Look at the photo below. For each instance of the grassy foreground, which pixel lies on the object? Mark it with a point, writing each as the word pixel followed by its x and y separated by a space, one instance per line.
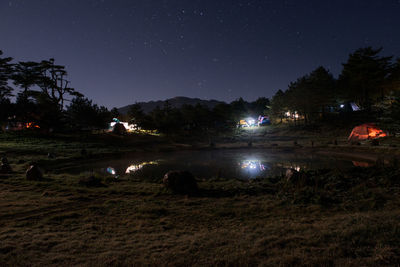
pixel 315 218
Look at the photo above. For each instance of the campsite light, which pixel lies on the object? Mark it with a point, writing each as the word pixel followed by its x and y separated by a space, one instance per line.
pixel 251 121
pixel 341 106
pixel 287 114
pixel 29 125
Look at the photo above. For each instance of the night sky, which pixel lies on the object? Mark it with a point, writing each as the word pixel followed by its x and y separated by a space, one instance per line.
pixel 119 52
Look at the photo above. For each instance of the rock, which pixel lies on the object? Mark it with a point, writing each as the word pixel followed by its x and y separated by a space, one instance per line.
pixel 180 182
pixel 34 173
pixel 5 168
pixel 91 181
pixel 4 160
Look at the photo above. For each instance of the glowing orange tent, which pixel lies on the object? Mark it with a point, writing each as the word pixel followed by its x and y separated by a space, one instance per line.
pixel 366 131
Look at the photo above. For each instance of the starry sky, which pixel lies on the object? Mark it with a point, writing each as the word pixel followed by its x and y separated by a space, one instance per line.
pixel 118 52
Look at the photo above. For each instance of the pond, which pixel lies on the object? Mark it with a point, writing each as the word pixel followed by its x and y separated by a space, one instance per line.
pixel 232 163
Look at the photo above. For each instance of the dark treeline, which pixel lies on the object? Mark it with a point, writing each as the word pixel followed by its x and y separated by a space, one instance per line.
pixel 369 80
pixel 40 92
pixel 42 95
pixel 197 119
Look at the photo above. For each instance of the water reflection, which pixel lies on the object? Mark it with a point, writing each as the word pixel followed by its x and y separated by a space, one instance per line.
pixel 240 164
pixel 111 171
pixel 253 168
pixel 135 167
pixel 361 164
pixel 252 164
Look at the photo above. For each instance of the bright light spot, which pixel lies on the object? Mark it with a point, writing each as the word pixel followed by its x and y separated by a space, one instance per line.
pixel 111 170
pixel 129 127
pixel 252 165
pixel 341 106
pixel 135 167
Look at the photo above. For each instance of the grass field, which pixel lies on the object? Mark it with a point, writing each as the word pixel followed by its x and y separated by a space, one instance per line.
pixel 314 218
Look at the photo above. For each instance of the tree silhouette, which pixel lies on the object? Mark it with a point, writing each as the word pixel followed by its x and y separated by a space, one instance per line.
pixel 54 84
pixel 6 72
pixel 363 76
pixel 279 105
pixel 26 75
pixel 5 90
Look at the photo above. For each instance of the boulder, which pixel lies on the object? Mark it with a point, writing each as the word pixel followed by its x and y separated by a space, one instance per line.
pixel 91 181
pixel 4 160
pixel 5 168
pixel 34 173
pixel 180 182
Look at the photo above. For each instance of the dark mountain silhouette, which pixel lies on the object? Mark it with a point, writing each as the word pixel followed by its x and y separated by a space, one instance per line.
pixel 175 102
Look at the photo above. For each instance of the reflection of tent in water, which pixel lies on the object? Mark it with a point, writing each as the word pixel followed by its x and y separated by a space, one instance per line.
pixel 366 131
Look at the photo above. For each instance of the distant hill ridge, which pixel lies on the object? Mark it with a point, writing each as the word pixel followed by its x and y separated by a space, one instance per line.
pixel 175 102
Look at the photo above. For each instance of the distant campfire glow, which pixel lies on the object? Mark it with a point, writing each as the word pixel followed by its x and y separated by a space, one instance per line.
pixel 31 125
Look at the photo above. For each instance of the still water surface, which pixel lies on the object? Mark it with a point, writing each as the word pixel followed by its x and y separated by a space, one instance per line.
pixel 243 164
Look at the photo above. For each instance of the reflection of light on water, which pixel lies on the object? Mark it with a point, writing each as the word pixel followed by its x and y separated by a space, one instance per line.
pixel 361 164
pixel 252 165
pixel 289 166
pixel 135 167
pixel 111 170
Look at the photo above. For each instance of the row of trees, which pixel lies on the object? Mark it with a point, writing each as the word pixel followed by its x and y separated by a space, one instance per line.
pixel 42 96
pixel 40 92
pixel 366 79
pixel 197 119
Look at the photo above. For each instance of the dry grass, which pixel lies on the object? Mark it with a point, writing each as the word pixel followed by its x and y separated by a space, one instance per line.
pixel 58 222
pixel 136 222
